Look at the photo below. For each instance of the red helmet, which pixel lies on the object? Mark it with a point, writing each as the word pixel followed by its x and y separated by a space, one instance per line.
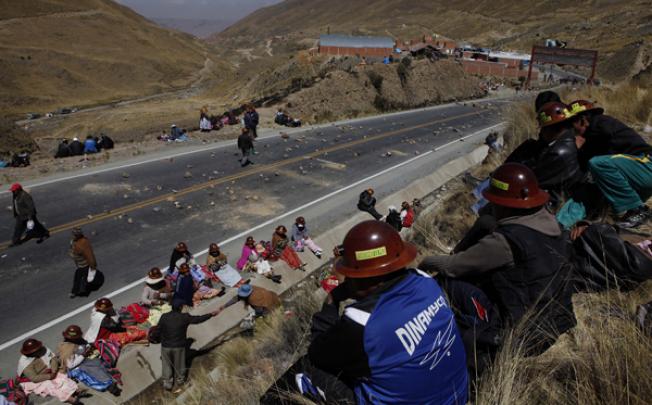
pixel 31 346
pixel 15 187
pixel 581 106
pixel 553 113
pixel 514 185
pixel 373 248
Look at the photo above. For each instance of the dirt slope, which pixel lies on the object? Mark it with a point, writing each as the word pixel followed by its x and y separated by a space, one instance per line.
pixel 606 25
pixel 60 53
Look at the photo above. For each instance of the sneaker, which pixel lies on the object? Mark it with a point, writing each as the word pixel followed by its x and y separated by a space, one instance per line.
pixel 318 254
pixel 634 218
pixel 71 295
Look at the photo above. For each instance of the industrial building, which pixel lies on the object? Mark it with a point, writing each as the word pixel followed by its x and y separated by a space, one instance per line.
pixel 340 45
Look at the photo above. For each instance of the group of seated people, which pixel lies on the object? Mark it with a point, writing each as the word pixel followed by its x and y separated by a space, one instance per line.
pixel 209 122
pixel 92 144
pixel 176 134
pixel 282 118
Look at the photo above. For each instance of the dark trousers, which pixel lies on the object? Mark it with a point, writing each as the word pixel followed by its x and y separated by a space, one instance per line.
pixel 174 365
pixel 244 161
pixel 372 211
pixel 80 283
pixel 39 231
pixel 253 132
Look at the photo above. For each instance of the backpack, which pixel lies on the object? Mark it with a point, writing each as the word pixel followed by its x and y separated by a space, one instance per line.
pixel 11 390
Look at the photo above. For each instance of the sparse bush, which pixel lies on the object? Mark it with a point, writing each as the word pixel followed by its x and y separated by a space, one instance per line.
pixel 376 80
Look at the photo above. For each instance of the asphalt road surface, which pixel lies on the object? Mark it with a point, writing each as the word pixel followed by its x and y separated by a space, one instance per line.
pixel 135 215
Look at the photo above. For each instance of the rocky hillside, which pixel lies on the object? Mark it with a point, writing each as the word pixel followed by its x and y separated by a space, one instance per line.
pixel 606 25
pixel 60 53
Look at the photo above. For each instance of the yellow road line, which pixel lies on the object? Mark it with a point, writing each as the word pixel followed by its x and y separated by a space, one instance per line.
pixel 255 170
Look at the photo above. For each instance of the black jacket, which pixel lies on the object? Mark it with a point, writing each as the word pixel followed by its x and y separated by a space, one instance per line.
pixel 367 201
pixel 23 206
pixel 608 136
pixel 251 119
pixel 62 151
pixel 245 142
pixel 173 327
pixel 394 219
pixel 176 255
pixel 76 148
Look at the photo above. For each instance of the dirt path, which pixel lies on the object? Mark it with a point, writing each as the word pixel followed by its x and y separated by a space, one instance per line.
pixel 268 47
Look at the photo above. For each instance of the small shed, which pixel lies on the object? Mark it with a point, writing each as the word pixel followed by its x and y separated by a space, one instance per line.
pixel 361 46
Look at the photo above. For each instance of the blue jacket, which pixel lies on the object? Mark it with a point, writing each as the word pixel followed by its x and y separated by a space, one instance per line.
pixel 90 146
pixel 400 345
pixel 184 290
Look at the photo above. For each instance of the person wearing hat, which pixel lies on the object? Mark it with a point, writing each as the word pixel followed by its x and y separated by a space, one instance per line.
pixel 393 218
pixel 367 203
pixel 185 286
pixel 301 237
pixel 397 341
pixel 104 321
pixel 72 353
pixel 215 255
pixel 175 132
pixel 40 369
pixel 260 299
pixel 260 265
pixel 63 150
pixel 82 254
pixel 76 147
pixel 25 215
pixel 180 254
pixel 281 249
pixel 173 328
pixel 248 249
pixel 157 290
pixel 522 268
pixel 619 161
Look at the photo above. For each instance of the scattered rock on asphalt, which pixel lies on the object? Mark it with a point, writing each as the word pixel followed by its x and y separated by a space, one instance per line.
pixel 125 196
pixel 285 135
pixel 156 209
pixel 187 175
pixel 125 175
pixel 159 188
pixel 130 221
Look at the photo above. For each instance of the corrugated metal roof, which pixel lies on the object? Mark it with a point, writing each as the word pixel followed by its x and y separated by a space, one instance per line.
pixel 348 41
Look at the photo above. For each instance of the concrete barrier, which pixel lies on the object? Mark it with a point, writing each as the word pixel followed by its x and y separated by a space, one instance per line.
pixel 141 365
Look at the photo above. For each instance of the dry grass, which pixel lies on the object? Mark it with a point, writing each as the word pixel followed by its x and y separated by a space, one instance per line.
pixel 248 366
pixel 627 102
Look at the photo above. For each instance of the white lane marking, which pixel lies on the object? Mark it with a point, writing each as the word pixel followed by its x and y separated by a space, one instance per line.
pixel 232 142
pixel 119 291
pixel 438 148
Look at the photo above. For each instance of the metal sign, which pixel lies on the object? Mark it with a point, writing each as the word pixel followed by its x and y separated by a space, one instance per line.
pixel 563 56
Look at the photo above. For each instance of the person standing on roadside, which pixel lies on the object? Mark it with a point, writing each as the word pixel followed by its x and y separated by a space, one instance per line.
pixel 25 214
pixel 251 119
pixel 173 328
pixel 82 254
pixel 246 146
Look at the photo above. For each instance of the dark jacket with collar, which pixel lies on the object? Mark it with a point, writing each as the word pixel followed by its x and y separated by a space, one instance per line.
pixel 23 206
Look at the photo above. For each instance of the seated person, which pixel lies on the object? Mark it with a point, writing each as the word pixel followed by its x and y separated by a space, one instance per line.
pixel 521 271
pixel 157 289
pixel 394 218
pixel 281 118
pixel 41 371
pixel 367 203
pixel 257 263
pixel 229 276
pixel 248 248
pixel 180 255
pixel 301 237
pixel 215 255
pixel 618 159
pixel 105 142
pixel 407 215
pixel 106 325
pixel 72 354
pixel 282 250
pixel 63 150
pixel 261 300
pixel 76 147
pixel 90 145
pixel 185 286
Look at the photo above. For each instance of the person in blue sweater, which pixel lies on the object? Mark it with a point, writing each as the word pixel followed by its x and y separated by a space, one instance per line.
pixel 185 287
pixel 90 145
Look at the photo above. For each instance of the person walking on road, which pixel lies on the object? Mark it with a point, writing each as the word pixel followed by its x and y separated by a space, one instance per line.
pixel 82 254
pixel 251 123
pixel 367 203
pixel 173 328
pixel 246 146
pixel 25 214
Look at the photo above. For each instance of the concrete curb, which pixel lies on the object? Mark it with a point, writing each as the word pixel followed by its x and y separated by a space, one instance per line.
pixel 141 365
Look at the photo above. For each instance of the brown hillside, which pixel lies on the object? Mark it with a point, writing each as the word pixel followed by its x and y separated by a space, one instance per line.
pixel 60 53
pixel 606 25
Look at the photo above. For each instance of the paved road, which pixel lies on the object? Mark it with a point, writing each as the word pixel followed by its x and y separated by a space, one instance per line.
pixel 131 217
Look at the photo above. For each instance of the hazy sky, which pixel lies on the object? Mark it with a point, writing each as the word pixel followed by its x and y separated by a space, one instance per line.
pixel 197 9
